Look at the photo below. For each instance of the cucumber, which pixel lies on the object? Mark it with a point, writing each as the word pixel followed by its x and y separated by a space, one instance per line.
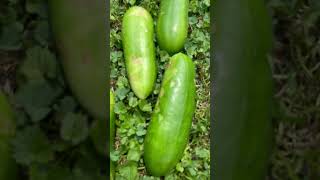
pixel 242 98
pixel 112 120
pixel 8 166
pixel 168 132
pixel 98 134
pixel 79 28
pixel 172 25
pixel 139 50
pixel 112 133
pixel 112 171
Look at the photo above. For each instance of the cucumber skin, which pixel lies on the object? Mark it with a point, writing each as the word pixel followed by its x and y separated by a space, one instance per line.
pixel 112 120
pixel 243 95
pixel 79 30
pixel 98 134
pixel 112 133
pixel 99 130
pixel 168 132
pixel 112 171
pixel 172 25
pixel 139 50
pixel 9 169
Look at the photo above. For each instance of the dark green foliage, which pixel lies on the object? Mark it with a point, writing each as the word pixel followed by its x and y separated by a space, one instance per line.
pixel 52 139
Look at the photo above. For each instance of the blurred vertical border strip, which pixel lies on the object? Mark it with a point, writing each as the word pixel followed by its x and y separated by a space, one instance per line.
pixel 106 3
pixel 212 84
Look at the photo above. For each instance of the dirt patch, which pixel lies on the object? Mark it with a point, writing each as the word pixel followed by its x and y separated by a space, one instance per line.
pixel 8 67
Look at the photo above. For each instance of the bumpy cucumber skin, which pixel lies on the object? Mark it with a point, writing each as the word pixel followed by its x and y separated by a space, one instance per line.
pixel 112 133
pixel 168 132
pixel 79 30
pixel 139 50
pixel 242 131
pixel 172 25
pixel 8 166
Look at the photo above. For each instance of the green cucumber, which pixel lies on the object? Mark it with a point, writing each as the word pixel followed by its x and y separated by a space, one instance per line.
pixel 168 132
pixel 99 130
pixel 79 28
pixel 98 134
pixel 172 25
pixel 139 50
pixel 8 166
pixel 112 133
pixel 112 171
pixel 242 131
pixel 112 120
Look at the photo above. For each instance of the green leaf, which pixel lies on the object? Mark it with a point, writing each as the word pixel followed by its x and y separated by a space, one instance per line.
pixel 170 177
pixel 179 167
pixel 202 153
pixel 37 94
pixel 32 146
pixel 207 3
pixel 88 164
pixel 122 82
pixel 133 101
pixel 10 37
pixel 114 156
pixel 133 155
pixel 131 2
pixel 38 7
pixel 141 131
pixel 37 113
pixel 36 98
pixel 67 104
pixel 38 173
pixel 60 145
pixel 145 106
pixel 21 118
pixel 121 93
pixel 82 175
pixel 120 108
pixel 193 20
pixel 129 171
pixel 45 172
pixel 192 171
pixel 74 128
pixel 8 15
pixel 42 33
pixel 39 64
pixel 116 55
